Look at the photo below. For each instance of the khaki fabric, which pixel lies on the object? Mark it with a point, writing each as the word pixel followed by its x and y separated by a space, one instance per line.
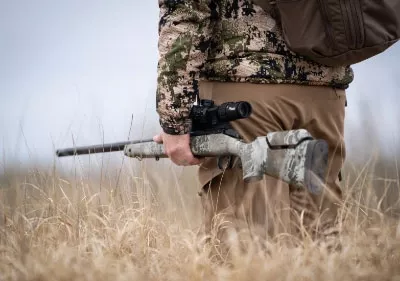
pixel 270 207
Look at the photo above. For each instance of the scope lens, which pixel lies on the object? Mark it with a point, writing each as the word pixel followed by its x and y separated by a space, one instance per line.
pixel 244 109
pixel 231 111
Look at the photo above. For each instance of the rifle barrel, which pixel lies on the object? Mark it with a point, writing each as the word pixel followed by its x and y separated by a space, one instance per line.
pixel 100 148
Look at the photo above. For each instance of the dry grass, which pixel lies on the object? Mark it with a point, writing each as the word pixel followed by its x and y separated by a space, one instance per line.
pixel 144 228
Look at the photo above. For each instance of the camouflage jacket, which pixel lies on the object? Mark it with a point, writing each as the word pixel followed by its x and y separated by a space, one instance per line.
pixel 224 40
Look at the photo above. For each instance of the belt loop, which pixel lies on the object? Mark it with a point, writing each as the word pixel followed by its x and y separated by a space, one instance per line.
pixel 206 90
pixel 339 93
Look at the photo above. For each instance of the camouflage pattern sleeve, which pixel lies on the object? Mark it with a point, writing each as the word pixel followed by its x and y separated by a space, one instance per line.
pixel 184 34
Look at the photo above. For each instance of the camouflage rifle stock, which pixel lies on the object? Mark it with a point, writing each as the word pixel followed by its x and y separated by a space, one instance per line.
pixel 293 156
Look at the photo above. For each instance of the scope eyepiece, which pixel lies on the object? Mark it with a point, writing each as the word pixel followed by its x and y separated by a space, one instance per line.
pixel 231 111
pixel 207 114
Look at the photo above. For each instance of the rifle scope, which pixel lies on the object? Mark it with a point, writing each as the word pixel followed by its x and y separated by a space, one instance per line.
pixel 207 112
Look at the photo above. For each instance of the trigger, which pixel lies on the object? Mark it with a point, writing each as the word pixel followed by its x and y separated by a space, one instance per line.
pixel 220 162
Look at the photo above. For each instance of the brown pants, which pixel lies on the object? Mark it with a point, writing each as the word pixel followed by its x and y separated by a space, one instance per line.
pixel 270 207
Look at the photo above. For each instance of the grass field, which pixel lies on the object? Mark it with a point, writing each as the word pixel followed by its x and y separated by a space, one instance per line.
pixel 143 226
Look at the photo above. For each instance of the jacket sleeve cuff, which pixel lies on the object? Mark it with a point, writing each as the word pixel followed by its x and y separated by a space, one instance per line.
pixel 179 128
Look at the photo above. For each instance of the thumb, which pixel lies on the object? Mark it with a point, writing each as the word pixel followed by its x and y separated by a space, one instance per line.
pixel 158 138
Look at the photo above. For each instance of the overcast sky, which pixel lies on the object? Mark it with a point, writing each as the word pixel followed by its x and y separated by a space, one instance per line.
pixel 82 69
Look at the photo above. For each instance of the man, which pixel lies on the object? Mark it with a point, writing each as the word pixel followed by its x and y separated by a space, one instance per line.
pixel 232 50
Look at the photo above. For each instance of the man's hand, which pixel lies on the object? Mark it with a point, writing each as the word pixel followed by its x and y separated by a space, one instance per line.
pixel 177 148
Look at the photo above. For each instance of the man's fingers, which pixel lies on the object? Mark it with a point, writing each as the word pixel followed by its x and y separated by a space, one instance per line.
pixel 177 148
pixel 183 157
pixel 194 161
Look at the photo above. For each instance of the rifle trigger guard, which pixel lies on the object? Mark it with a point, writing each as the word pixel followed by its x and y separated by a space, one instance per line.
pixel 229 165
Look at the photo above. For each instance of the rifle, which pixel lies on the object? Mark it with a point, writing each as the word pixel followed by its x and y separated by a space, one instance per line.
pixel 293 156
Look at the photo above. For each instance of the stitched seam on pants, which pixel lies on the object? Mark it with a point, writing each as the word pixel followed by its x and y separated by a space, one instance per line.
pixel 339 93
